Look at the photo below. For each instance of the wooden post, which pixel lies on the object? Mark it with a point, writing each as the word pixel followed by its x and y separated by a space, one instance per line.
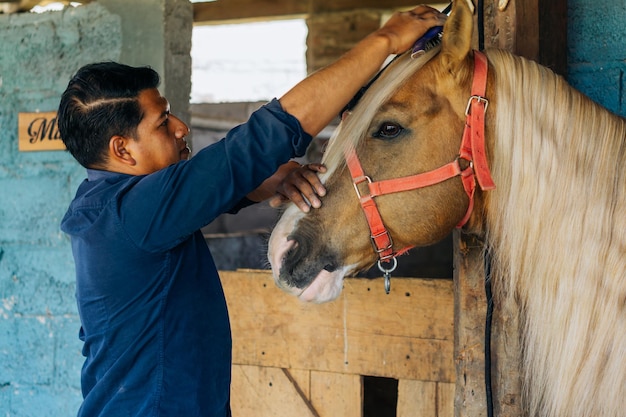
pixel 470 306
pixel 533 29
pixel 470 317
pixel 536 30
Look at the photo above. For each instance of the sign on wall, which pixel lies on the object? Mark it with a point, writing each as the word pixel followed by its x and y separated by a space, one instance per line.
pixel 38 132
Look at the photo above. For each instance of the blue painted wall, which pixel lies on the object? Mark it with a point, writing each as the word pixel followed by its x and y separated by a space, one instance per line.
pixel 597 51
pixel 40 357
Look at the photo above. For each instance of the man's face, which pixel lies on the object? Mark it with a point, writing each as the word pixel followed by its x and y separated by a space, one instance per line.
pixel 160 138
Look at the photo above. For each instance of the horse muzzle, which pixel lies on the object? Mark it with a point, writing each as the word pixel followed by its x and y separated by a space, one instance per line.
pixel 312 272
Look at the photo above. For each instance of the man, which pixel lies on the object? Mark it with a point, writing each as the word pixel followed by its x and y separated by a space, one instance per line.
pixel 154 319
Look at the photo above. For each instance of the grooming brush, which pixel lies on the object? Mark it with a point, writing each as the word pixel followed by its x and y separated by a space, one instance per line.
pixel 431 39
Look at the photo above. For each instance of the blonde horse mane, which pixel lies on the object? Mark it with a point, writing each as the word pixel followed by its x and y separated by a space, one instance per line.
pixel 555 224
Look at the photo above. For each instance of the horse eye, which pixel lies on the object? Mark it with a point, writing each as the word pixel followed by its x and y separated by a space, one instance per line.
pixel 388 130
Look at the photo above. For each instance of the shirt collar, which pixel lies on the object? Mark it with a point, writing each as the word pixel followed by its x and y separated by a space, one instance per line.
pixel 98 174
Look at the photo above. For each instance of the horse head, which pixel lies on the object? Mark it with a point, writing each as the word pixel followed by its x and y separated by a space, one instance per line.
pixel 411 121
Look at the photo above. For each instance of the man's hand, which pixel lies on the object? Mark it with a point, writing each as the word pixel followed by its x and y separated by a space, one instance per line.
pixel 302 186
pixel 295 182
pixel 402 27
pixel 316 100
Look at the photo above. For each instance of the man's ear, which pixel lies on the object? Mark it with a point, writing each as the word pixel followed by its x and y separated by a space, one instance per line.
pixel 119 150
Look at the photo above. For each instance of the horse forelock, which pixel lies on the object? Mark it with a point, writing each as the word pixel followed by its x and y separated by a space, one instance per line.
pixel 556 226
pixel 353 130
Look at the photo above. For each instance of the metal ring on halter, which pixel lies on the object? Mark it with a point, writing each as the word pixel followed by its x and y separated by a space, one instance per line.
pixel 387 273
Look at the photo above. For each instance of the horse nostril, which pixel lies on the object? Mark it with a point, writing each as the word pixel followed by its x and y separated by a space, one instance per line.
pixel 293 243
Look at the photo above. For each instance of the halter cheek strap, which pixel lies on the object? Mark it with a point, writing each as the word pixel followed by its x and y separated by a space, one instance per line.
pixel 472 150
pixel 473 142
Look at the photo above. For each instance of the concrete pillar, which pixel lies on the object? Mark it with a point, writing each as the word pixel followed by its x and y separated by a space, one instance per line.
pixel 158 33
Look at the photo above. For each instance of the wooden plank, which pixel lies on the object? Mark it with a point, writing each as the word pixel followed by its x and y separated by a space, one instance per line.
pixel 553 35
pixel 533 29
pixel 425 399
pixel 469 317
pixel 541 32
pixel 416 399
pixel 302 378
pixel 260 391
pixel 506 359
pixel 406 334
pixel 337 394
pixel 219 12
pixel 325 6
pixel 224 11
pixel 445 400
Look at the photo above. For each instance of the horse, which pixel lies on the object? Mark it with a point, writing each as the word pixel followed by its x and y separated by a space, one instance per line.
pixel 544 187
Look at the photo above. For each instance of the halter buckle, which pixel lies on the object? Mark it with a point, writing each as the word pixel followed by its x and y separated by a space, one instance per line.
pixel 380 250
pixel 359 180
pixel 479 99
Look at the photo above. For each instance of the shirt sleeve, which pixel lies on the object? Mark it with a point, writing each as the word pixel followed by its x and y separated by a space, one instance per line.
pixel 242 204
pixel 162 209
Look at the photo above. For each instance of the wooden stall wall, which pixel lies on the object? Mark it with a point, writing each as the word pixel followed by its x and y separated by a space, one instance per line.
pixel 297 359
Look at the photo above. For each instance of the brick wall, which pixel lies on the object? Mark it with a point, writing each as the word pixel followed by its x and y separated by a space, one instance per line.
pixel 40 353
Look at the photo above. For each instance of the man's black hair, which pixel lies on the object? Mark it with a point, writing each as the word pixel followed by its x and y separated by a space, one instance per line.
pixel 101 101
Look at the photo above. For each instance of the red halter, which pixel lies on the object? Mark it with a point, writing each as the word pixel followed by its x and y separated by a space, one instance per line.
pixel 472 150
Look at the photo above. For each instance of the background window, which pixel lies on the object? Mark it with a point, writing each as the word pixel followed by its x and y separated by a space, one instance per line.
pixel 247 62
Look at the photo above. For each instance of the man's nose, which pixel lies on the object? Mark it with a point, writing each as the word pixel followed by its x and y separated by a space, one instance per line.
pixel 181 129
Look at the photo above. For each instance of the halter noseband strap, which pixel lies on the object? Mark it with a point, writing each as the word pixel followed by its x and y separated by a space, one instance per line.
pixel 472 150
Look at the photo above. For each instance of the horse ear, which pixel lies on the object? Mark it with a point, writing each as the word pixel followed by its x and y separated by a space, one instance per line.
pixel 457 35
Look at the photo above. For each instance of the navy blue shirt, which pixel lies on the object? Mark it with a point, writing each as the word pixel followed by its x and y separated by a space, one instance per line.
pixel 154 320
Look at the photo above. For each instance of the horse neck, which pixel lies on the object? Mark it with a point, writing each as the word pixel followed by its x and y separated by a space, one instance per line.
pixel 555 224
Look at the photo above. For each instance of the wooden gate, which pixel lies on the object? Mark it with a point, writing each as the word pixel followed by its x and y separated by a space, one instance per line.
pixel 307 360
